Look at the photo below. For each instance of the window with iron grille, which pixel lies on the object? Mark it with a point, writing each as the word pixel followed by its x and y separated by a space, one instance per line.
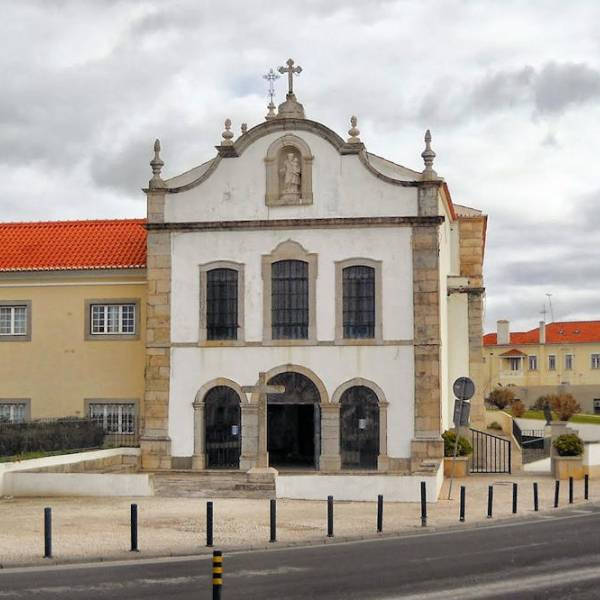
pixel 117 319
pixel 289 300
pixel 222 304
pixel 358 290
pixel 13 320
pixel 114 417
pixel 12 412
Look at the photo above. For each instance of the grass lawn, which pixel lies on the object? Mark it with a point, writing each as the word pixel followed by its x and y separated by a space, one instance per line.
pixel 39 454
pixel 581 418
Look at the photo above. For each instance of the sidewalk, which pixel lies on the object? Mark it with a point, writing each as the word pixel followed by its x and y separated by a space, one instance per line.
pixel 98 528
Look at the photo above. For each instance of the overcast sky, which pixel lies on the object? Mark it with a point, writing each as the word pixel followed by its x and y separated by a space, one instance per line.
pixel 510 90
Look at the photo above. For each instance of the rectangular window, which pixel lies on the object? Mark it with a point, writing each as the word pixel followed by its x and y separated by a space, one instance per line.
pixel 532 362
pixel 595 361
pixel 515 363
pixel 289 300
pixel 112 319
pixel 568 362
pixel 222 304
pixel 552 362
pixel 12 412
pixel 358 299
pixel 13 320
pixel 114 417
pixel 597 406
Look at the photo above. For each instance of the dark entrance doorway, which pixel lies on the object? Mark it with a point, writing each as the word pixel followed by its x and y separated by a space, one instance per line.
pixel 359 428
pixel 223 430
pixel 294 422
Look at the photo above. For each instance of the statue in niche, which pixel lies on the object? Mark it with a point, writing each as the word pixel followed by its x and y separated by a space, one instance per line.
pixel 291 175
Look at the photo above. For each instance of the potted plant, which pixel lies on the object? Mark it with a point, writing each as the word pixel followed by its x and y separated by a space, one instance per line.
pixel 568 457
pixel 463 450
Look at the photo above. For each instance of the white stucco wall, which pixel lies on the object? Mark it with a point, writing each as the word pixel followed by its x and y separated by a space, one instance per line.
pixel 342 187
pixel 458 335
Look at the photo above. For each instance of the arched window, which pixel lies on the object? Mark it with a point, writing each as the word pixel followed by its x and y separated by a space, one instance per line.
pixel 223 428
pixel 289 300
pixel 221 304
pixel 358 291
pixel 359 428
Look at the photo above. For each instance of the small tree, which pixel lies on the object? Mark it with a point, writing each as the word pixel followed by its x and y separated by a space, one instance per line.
pixel 517 409
pixel 501 397
pixel 565 406
pixel 542 401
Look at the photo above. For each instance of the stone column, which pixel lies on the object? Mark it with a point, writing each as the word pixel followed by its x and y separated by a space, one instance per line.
pixel 330 459
pixel 199 458
pixel 475 308
pixel 383 461
pixel 249 456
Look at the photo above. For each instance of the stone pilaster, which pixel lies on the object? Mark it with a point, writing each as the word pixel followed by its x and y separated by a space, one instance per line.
pixel 427 443
pixel 249 455
pixel 199 457
pixel 383 460
pixel 330 459
pixel 155 442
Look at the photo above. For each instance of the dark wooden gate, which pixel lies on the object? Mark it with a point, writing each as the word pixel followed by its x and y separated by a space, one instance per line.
pixel 359 428
pixel 491 453
pixel 223 428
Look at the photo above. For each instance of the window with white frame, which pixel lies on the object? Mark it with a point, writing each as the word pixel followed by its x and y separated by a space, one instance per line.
pixel 114 417
pixel 595 361
pixel 112 319
pixel 568 362
pixel 13 320
pixel 514 363
pixel 552 362
pixel 532 362
pixel 12 412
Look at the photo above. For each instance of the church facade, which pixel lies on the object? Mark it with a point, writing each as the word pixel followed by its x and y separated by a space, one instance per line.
pixel 308 306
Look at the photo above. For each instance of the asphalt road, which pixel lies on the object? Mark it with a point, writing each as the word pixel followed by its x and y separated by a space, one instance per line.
pixel 554 556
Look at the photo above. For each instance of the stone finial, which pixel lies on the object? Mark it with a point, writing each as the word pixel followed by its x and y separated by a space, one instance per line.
pixel 271 114
pixel 353 132
pixel 428 155
pixel 227 134
pixel 244 128
pixel 157 164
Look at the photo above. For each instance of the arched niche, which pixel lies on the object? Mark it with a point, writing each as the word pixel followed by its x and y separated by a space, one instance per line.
pixel 289 172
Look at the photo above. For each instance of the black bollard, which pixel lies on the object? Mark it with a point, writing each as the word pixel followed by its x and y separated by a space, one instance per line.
pixel 47 532
pixel 329 516
pixel 423 504
pixel 586 487
pixel 273 520
pixel 514 499
pixel 463 491
pixel 570 490
pixel 556 492
pixel 536 505
pixel 217 574
pixel 134 528
pixel 490 501
pixel 209 525
pixel 379 513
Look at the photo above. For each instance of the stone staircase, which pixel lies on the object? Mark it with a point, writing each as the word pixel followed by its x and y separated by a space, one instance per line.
pixel 211 484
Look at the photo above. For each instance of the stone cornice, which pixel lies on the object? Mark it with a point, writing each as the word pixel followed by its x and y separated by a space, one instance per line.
pixel 327 223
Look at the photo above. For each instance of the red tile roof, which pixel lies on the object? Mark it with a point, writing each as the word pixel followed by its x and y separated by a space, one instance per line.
pixel 570 332
pixel 512 352
pixel 69 245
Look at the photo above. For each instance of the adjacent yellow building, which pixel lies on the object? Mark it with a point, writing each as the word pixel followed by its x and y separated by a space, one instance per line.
pixel 72 321
pixel 554 357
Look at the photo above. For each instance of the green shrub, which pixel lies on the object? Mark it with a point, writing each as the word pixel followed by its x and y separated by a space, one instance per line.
pixel 568 444
pixel 49 436
pixel 495 425
pixel 464 446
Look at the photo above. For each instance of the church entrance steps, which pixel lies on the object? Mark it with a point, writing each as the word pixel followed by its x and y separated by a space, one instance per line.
pixel 211 484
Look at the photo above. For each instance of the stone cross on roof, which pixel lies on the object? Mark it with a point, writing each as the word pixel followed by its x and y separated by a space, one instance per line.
pixel 290 70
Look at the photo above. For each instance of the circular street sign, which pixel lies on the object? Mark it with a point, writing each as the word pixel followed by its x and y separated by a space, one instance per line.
pixel 464 388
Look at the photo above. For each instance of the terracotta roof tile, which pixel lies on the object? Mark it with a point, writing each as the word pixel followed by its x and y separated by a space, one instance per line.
pixel 567 332
pixel 69 245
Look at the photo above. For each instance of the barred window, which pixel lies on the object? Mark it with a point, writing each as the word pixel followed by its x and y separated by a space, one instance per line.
pixel 12 412
pixel 114 417
pixel 289 300
pixel 13 320
pixel 222 304
pixel 358 289
pixel 107 319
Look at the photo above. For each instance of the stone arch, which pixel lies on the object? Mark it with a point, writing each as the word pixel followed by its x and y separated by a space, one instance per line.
pixel 356 382
pixel 297 369
pixel 201 393
pixel 300 148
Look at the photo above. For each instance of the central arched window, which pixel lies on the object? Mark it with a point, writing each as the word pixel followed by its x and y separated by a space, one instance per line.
pixel 289 300
pixel 358 292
